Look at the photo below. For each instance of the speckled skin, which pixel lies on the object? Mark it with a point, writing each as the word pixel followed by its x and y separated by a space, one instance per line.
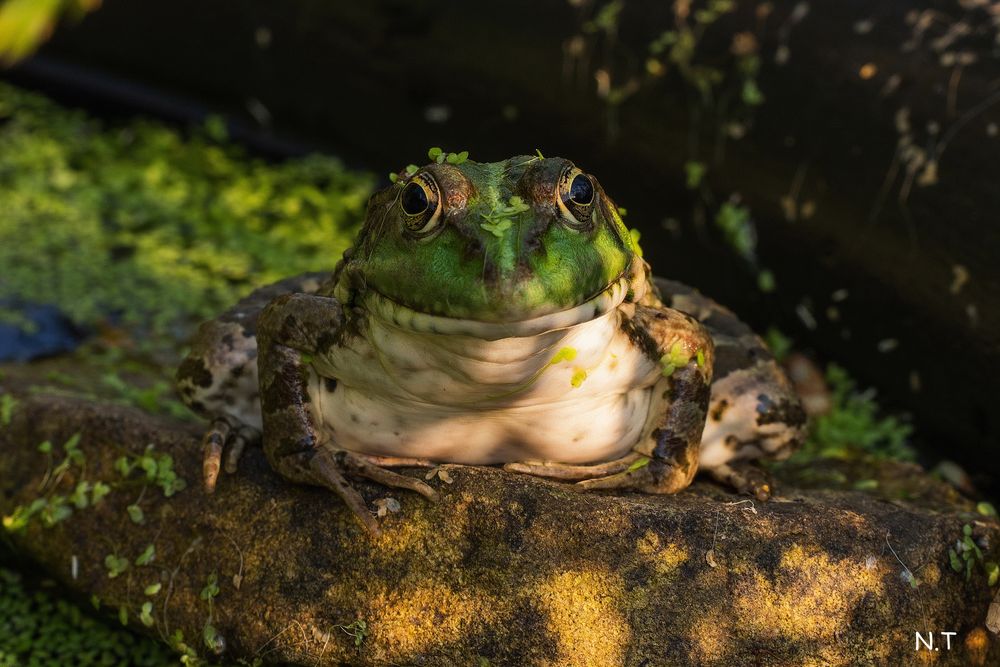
pixel 294 361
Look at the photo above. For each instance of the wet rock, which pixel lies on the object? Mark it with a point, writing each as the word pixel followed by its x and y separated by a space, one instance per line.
pixel 506 569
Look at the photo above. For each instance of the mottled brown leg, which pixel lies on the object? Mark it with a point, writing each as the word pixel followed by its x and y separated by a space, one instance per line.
pixel 744 477
pixel 668 456
pixel 288 328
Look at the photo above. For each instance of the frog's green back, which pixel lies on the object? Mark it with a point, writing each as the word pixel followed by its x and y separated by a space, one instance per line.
pixel 498 241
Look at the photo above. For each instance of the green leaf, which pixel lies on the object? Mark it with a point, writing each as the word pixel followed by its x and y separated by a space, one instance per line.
pixel 497 229
pixel 136 514
pixel 956 562
pixel 766 282
pixel 211 637
pixel 148 464
pixel 992 572
pixel 751 93
pixel 56 510
pixel 123 615
pixel 115 565
pixel 147 555
pixel 694 174
pixel 45 447
pixel 211 588
pixel 434 153
pixel 7 405
pixel 152 589
pixel 123 466
pixel 97 493
pixel 967 530
pixel 986 509
pixel 146 614
pixel 971 547
pixel 79 496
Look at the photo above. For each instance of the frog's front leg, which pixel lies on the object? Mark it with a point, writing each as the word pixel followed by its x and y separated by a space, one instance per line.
pixel 292 329
pixel 665 459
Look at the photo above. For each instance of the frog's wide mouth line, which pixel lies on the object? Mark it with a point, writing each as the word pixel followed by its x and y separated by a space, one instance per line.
pixel 409 319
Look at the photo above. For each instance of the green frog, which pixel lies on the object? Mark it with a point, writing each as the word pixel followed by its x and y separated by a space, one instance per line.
pixel 490 314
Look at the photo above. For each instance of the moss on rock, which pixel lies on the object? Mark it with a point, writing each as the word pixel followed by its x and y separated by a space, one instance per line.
pixel 506 569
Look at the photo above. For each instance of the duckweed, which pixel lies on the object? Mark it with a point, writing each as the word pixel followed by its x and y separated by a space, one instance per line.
pixel 38 628
pixel 146 227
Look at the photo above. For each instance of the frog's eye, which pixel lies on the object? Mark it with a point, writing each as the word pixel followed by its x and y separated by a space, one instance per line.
pixel 576 198
pixel 420 203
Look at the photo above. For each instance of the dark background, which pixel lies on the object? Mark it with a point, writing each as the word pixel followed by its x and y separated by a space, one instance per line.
pixel 882 264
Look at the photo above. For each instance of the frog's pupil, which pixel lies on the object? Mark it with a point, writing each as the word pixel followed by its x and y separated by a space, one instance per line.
pixel 414 199
pixel 581 190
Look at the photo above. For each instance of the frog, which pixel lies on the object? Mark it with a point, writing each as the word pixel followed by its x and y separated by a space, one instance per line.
pixel 490 314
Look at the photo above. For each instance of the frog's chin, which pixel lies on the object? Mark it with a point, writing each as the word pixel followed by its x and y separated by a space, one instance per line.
pixel 386 309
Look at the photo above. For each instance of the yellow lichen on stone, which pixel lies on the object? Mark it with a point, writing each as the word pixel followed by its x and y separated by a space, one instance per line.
pixel 585 617
pixel 977 643
pixel 413 621
pixel 929 574
pixel 665 558
pixel 809 595
pixel 711 637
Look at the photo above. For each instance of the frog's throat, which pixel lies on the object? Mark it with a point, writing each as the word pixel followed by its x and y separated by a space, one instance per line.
pixel 384 308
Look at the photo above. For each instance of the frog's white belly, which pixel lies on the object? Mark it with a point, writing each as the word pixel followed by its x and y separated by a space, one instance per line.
pixel 577 395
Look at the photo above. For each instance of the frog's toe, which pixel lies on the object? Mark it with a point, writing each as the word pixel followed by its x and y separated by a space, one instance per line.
pixel 221 439
pixel 330 468
pixel 360 466
pixel 744 477
pixel 568 472
pixel 643 479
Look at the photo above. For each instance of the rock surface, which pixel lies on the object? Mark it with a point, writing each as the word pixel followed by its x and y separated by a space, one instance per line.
pixel 505 570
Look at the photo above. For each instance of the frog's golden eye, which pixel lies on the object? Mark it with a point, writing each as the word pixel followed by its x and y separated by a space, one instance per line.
pixel 576 196
pixel 421 204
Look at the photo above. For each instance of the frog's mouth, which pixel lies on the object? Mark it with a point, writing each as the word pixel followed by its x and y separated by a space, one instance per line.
pixel 406 318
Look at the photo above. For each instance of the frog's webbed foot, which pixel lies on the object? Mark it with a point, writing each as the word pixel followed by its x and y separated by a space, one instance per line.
pixel 744 477
pixel 330 468
pixel 224 438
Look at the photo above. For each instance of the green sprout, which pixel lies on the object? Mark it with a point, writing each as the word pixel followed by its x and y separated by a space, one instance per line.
pixel 146 557
pixel 966 553
pixel 357 630
pixel 115 565
pixel 7 405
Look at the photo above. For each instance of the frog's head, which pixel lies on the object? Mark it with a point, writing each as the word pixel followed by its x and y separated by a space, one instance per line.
pixel 500 242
